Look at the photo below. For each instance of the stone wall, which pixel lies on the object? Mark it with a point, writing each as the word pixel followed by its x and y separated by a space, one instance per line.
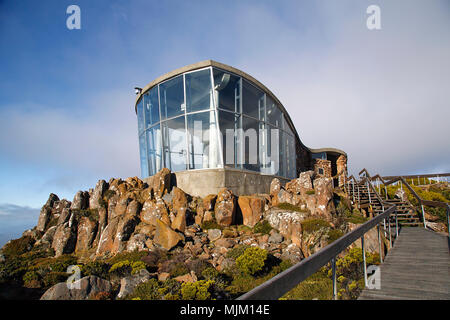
pixel 322 168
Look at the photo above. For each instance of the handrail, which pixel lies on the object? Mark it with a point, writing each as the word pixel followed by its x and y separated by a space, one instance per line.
pixel 282 283
pixel 426 175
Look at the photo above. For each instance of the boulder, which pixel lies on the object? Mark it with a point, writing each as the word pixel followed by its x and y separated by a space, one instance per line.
pixel 275 186
pixel 225 207
pixel 137 242
pixel 275 237
pixel 288 224
pixel 214 234
pixel 252 208
pixel 160 182
pixel 165 236
pixel 107 237
pixel 128 284
pixel 189 277
pixel 153 210
pixel 83 289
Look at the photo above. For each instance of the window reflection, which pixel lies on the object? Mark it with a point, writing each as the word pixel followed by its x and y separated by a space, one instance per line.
pixel 174 144
pixel 143 155
pixel 227 89
pixel 273 113
pixel 151 107
pixel 203 140
pixel 154 149
pixel 198 91
pixel 172 98
pixel 140 116
pixel 253 101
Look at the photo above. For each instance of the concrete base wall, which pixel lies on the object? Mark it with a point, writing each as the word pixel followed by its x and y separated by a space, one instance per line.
pixel 207 181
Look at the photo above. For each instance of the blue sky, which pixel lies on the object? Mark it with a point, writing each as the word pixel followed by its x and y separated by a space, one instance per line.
pixel 66 96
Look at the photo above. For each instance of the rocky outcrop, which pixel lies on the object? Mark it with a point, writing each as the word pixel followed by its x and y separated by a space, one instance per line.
pixel 83 289
pixel 128 284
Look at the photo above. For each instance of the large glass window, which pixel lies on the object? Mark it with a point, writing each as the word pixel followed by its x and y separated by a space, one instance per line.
pixel 250 143
pixel 290 157
pixel 151 107
pixel 171 95
pixel 143 155
pixel 154 149
pixel 198 91
pixel 140 116
pixel 227 89
pixel 174 144
pixel 253 101
pixel 229 124
pixel 274 115
pixel 203 140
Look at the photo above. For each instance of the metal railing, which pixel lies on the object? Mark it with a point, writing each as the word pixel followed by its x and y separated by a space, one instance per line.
pixel 285 281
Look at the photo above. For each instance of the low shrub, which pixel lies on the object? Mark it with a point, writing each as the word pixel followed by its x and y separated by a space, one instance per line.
pixel 263 227
pixel 290 207
pixel 198 290
pixel 237 251
pixel 252 260
pixel 314 224
pixel 18 246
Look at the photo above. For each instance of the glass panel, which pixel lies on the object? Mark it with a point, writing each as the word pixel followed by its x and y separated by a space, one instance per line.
pixel 143 155
pixel 151 107
pixel 198 91
pixel 172 98
pixel 270 156
pixel 253 101
pixel 154 149
pixel 282 159
pixel 174 141
pixel 273 113
pixel 227 91
pixel 203 142
pixel 140 116
pixel 250 143
pixel 290 157
pixel 229 124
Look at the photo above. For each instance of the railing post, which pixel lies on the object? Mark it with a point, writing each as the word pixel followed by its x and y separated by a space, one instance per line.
pixel 364 260
pixel 423 217
pixel 333 268
pixel 448 222
pixel 396 225
pixel 368 192
pixel 359 201
pixel 385 190
pixel 379 243
pixel 353 187
pixel 390 235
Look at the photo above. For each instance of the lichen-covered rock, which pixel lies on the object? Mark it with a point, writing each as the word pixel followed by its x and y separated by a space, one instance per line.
pixel 154 209
pixel 128 284
pixel 80 200
pixel 137 242
pixel 64 239
pixel 87 230
pixel 160 182
pixel 165 236
pixel 225 207
pixel 288 224
pixel 83 289
pixel 252 208
pixel 323 189
pixel 179 205
pixel 44 218
pixel 95 201
pixel 214 234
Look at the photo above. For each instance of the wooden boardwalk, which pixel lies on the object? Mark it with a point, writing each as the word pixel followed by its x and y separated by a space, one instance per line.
pixel 417 267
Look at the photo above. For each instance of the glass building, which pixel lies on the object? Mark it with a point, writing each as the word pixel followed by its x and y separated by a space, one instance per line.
pixel 210 115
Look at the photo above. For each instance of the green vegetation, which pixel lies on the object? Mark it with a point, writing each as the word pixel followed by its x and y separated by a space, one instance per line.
pixel 125 267
pixel 252 260
pixel 91 214
pixel 263 227
pixel 334 234
pixel 211 225
pixel 198 290
pixel 310 192
pixel 290 207
pixel 350 281
pixel 314 224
